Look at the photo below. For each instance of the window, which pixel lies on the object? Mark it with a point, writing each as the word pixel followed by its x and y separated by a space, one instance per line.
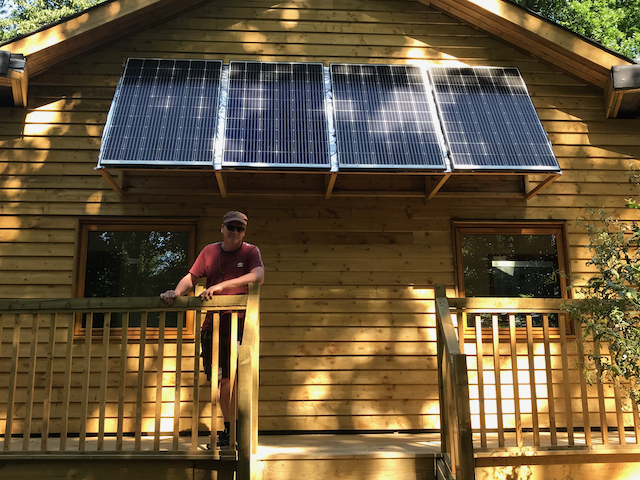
pixel 133 258
pixel 512 260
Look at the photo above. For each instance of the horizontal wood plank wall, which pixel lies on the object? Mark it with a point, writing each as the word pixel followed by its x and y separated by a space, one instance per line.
pixel 348 328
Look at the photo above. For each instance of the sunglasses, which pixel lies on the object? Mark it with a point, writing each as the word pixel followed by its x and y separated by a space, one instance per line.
pixel 233 228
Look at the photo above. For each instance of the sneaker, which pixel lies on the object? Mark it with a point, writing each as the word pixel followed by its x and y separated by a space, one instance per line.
pixel 223 439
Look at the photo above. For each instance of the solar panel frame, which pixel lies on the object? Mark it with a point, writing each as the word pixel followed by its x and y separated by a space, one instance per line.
pixel 276 116
pixel 164 114
pixel 496 127
pixel 385 119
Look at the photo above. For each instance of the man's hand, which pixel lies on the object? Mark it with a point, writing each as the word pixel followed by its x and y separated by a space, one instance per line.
pixel 168 296
pixel 210 292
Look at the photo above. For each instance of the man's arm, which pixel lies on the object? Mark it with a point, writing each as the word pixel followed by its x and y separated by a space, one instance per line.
pixel 256 275
pixel 184 286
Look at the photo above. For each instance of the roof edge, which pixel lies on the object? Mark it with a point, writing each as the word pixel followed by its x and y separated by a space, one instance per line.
pixel 44 47
pixel 538 36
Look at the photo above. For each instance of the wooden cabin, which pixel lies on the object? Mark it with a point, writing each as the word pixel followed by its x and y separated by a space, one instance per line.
pixel 363 372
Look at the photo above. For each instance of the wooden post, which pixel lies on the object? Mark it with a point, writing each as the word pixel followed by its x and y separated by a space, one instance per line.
pixel 246 457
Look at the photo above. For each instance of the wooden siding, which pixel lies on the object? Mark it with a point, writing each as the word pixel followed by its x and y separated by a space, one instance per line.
pixel 348 337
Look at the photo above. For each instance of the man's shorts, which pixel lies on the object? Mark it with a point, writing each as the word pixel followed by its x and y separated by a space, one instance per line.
pixel 224 352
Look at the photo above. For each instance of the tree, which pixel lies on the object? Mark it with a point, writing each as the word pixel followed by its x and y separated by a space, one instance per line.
pixel 609 311
pixel 613 23
pixel 24 16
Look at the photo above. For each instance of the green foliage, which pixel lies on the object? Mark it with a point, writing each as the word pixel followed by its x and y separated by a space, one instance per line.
pixel 24 16
pixel 610 311
pixel 613 23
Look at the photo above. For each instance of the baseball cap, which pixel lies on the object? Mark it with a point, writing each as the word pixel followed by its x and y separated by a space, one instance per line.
pixel 235 216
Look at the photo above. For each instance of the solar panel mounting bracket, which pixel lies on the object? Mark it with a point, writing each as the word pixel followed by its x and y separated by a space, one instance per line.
pixel 532 192
pixel 221 178
pixel 330 181
pixel 115 183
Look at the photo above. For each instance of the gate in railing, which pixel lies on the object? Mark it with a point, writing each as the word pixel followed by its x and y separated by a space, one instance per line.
pixel 131 381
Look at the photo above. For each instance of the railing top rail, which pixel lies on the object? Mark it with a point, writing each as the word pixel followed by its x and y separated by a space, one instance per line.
pixel 123 304
pixel 507 305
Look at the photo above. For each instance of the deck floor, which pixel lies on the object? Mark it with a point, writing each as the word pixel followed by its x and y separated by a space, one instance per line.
pixel 317 445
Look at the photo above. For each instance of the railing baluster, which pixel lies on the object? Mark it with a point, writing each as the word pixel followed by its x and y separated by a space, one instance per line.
pixel 46 406
pixel 67 382
pixel 84 407
pixel 13 375
pixel 140 392
pixel 122 379
pixel 550 394
pixel 619 416
pixel 583 383
pixel 195 412
pixel 159 376
pixel 233 365
pixel 178 383
pixel 604 424
pixel 496 369
pixel 28 413
pixel 532 382
pixel 213 391
pixel 636 421
pixel 480 371
pixel 106 332
pixel 514 372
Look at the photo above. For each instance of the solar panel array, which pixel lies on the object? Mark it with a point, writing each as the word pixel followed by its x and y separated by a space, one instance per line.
pixel 164 112
pixel 384 118
pixel 489 120
pixel 276 116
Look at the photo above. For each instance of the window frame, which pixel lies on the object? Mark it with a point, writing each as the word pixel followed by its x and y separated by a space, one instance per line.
pixel 129 224
pixel 492 227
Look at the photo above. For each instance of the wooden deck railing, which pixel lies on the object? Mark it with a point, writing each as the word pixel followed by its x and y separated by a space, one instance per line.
pixel 122 389
pixel 455 418
pixel 526 386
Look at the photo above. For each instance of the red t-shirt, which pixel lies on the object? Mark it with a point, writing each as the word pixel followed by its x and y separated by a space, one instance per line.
pixel 218 265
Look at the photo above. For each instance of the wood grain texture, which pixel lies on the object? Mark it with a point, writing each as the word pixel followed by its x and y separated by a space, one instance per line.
pixel 347 338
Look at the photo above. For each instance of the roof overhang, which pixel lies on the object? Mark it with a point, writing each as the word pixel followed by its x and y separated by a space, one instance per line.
pixel 13 74
pixel 96 26
pixel 538 36
pixel 623 92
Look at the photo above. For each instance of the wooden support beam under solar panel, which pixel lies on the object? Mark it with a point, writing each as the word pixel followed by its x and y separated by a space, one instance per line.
pixel 164 115
pixel 276 117
pixel 491 125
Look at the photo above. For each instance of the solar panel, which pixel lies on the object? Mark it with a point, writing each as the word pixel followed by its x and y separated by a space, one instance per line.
pixel 489 120
pixel 276 116
pixel 164 112
pixel 385 118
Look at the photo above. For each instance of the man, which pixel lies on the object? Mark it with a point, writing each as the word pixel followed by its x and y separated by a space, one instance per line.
pixel 229 266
